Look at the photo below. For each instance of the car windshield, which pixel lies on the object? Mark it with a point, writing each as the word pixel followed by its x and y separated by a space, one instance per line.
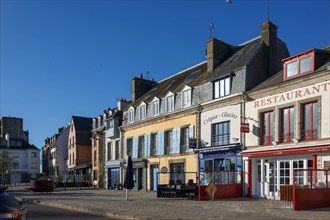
pixel 8 200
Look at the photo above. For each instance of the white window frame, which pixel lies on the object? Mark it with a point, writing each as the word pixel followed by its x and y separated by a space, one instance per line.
pixel 131 115
pixel 143 111
pixel 186 100
pixel 154 107
pixel 222 87
pixel 170 102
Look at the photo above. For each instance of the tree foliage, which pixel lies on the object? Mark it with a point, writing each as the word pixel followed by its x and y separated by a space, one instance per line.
pixel 5 161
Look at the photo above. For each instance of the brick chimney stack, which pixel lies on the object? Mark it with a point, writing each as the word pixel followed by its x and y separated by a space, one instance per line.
pixel 269 37
pixel 216 50
pixel 141 86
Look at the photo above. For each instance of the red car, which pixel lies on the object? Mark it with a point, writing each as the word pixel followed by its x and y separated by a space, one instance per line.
pixel 10 207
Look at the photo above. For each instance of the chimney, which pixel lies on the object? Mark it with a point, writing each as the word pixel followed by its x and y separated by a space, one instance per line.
pixel 269 37
pixel 121 104
pixel 216 50
pixel 8 140
pixel 140 86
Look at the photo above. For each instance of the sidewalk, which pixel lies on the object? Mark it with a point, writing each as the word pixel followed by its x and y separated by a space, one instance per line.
pixel 145 205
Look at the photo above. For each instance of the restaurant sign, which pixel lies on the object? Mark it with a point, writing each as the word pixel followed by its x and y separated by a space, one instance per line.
pixel 245 127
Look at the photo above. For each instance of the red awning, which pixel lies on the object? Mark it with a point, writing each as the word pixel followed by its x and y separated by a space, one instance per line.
pixel 301 150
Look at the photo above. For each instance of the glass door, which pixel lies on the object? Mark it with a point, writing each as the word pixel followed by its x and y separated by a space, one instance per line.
pixel 272 179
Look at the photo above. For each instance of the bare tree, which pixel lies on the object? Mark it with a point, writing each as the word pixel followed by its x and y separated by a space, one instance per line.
pixel 5 163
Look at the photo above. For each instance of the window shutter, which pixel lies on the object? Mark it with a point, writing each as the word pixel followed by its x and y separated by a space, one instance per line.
pixel 173 141
pixel 125 149
pixel 161 143
pixel 178 140
pixel 135 147
pixel 146 145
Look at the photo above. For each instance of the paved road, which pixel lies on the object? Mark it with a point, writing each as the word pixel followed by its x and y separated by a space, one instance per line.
pixel 36 212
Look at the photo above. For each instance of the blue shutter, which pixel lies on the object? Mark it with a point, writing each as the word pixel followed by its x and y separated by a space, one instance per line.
pixel 125 149
pixel 161 143
pixel 173 147
pixel 158 144
pixel 145 145
pixel 148 145
pixel 135 147
pixel 178 140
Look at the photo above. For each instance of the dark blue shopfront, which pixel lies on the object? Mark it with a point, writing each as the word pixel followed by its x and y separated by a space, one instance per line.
pixel 113 177
pixel 222 166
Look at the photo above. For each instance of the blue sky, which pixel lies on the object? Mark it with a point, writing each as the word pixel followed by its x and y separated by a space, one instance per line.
pixel 64 58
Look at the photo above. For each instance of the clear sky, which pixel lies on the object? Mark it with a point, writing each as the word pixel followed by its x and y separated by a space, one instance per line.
pixel 64 58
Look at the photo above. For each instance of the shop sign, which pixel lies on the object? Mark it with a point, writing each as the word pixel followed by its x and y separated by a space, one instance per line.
pixel 245 127
pixel 139 164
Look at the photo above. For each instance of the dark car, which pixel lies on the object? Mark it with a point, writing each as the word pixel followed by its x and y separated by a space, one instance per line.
pixel 10 207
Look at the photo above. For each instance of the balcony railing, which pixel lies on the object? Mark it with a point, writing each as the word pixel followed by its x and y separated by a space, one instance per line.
pixel 220 139
pixel 266 140
pixel 309 134
pixel 286 137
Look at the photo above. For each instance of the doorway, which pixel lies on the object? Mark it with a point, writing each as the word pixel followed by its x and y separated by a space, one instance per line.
pixel 272 179
pixel 154 177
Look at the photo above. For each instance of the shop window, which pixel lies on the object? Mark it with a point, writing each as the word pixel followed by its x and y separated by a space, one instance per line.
pixel 310 121
pixel 287 125
pixel 299 164
pixel 299 65
pixel 221 88
pixel 220 133
pixel 284 172
pixel 267 126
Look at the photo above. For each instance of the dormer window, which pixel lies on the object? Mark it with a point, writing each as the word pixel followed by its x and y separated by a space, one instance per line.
pixel 143 112
pixel 169 102
pixel 186 97
pixel 131 115
pixel 221 87
pixel 298 65
pixel 155 107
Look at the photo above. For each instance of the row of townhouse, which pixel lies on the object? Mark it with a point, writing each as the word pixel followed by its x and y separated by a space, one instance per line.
pixel 24 157
pixel 191 123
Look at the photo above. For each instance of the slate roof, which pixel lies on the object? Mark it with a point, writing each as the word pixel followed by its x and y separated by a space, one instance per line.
pixel 82 123
pixel 278 77
pixel 83 128
pixel 24 145
pixel 239 56
pixel 191 77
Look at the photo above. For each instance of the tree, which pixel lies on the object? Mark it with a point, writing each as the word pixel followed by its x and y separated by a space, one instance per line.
pixel 5 163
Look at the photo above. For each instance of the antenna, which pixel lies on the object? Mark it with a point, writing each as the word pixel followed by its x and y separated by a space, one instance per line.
pixel 268 14
pixel 148 75
pixel 211 29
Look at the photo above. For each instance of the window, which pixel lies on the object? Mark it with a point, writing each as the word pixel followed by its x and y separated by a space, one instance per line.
pixel 299 164
pixel 109 150
pixel 299 65
pixel 267 125
pixel 141 146
pixel 143 112
pixel 117 150
pixel 110 124
pixel 221 88
pixel 95 158
pixel 33 154
pixel 129 147
pixel 186 98
pixel 310 121
pixel 287 125
pixel 285 172
pixel 131 116
pixel 170 103
pixel 73 161
pixel 220 133
pixel 168 141
pixel 15 165
pixel 184 145
pixel 153 144
pixel 155 108
pixel 34 165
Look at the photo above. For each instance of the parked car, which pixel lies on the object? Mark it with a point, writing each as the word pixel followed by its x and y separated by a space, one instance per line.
pixel 10 207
